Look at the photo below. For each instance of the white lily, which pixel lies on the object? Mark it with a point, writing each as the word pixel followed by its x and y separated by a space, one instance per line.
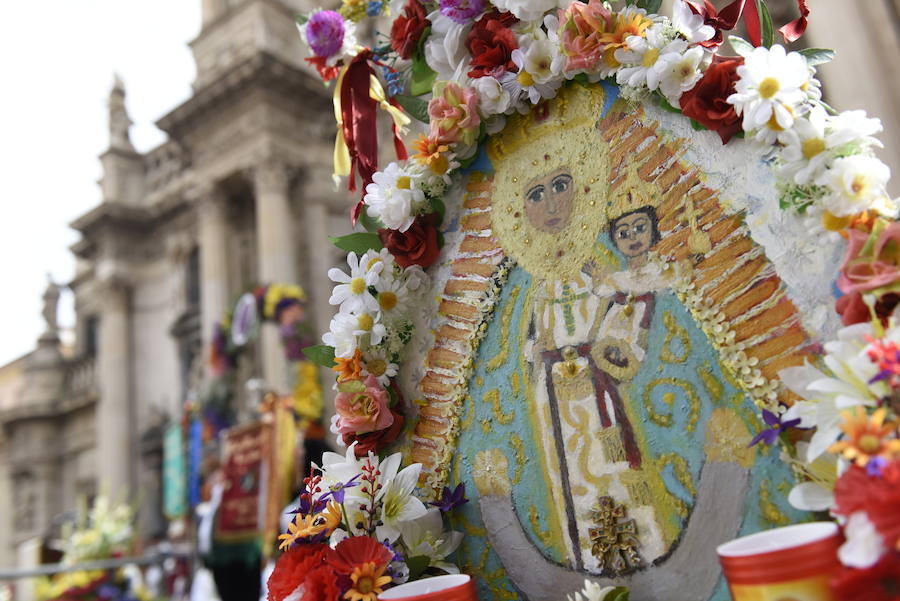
pixel 398 503
pixel 425 536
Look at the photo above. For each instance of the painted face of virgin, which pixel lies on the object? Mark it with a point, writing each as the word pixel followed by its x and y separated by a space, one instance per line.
pixel 633 234
pixel 548 201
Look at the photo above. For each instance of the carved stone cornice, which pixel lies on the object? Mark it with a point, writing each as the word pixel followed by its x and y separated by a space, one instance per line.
pixel 262 70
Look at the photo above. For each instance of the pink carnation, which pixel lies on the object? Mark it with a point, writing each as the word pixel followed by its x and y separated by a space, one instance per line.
pixel 581 33
pixel 362 407
pixel 454 115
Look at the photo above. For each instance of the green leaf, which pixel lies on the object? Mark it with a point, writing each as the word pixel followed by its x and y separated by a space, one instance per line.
pixel 416 107
pixel 421 76
pixel 765 20
pixel 417 566
pixel 697 125
pixel 651 6
pixel 740 45
pixel 354 386
pixel 357 243
pixel 370 223
pixel 817 56
pixel 393 396
pixel 320 355
pixel 620 593
pixel 301 19
pixel 438 206
pixel 664 103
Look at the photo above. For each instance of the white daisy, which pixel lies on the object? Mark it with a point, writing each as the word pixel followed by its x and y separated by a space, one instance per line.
pixel 342 335
pixel 493 99
pixel 369 324
pixel 392 297
pixel 854 127
pixel 394 197
pixel 856 184
pixel 805 155
pixel 523 87
pixel 644 59
pixel 376 363
pixel 372 258
pixel 770 87
pixel 682 74
pixel 352 292
pixel 690 26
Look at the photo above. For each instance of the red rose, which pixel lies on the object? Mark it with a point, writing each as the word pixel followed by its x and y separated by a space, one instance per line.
pixel 375 441
pixel 879 496
pixel 491 43
pixel 706 101
pixel 407 29
pixel 418 245
pixel 853 309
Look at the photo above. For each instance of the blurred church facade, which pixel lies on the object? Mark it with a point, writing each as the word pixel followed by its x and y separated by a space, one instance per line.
pixel 240 193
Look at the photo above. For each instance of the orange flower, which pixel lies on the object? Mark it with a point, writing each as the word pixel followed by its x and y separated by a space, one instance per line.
pixel 624 24
pixel 307 526
pixel 866 437
pixel 368 579
pixel 349 369
pixel 431 153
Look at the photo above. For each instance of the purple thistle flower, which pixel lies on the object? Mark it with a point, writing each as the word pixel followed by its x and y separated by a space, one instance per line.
pixel 451 499
pixel 462 11
pixel 338 491
pixel 325 33
pixel 770 435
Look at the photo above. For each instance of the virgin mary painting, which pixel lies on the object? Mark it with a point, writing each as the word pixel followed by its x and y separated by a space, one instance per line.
pixel 601 432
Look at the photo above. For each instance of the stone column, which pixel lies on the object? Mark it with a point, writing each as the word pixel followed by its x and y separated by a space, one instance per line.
pixel 276 254
pixel 213 236
pixel 115 423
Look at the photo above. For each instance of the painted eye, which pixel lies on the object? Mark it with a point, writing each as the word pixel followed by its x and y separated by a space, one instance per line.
pixel 561 183
pixel 536 194
pixel 623 233
pixel 640 228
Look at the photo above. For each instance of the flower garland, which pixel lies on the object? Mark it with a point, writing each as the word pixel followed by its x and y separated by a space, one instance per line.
pixel 480 61
pixel 283 304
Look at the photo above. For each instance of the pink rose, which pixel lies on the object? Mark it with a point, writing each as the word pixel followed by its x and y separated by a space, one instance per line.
pixel 872 261
pixel 582 29
pixel 454 114
pixel 362 406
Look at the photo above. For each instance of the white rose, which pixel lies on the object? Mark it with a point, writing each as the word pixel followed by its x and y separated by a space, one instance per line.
pixel 445 49
pixel 492 98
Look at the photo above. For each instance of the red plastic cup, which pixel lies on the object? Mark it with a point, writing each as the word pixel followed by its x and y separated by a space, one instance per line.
pixel 784 564
pixel 453 587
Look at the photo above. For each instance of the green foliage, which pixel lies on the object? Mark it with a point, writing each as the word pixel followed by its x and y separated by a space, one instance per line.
pixel 371 224
pixel 417 566
pixel 664 103
pixel 620 593
pixel 765 20
pixel 357 243
pixel 651 6
pixel 422 76
pixel 817 56
pixel 301 19
pixel 416 107
pixel 740 45
pixel 320 355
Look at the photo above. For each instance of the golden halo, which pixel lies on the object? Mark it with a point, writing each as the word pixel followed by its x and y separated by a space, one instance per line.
pixel 560 134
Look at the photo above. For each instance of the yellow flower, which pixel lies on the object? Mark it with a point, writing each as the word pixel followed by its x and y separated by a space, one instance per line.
pixel 367 582
pixel 866 437
pixel 307 526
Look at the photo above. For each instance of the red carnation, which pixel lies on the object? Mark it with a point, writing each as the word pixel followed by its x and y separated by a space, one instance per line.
pixel 407 29
pixel 706 101
pixel 881 582
pixel 356 551
pixel 877 495
pixel 294 567
pixel 491 42
pixel 418 245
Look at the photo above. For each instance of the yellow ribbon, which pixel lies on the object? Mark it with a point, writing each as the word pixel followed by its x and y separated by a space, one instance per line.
pixel 376 93
pixel 341 153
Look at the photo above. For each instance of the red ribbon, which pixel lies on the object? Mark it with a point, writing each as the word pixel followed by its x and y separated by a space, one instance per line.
pixel 729 16
pixel 358 112
pixel 793 30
